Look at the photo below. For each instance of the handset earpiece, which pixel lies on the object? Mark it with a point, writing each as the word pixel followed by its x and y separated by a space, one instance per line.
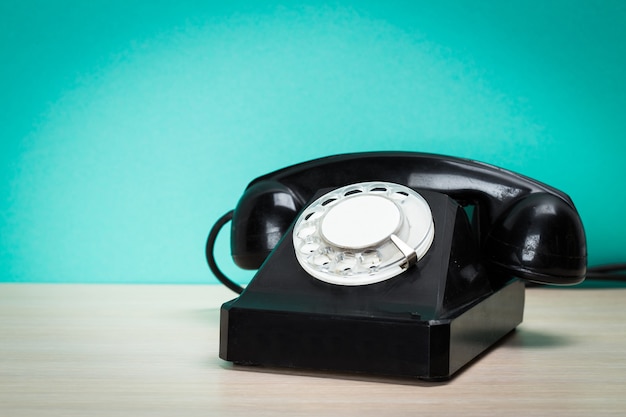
pixel 539 238
pixel 260 220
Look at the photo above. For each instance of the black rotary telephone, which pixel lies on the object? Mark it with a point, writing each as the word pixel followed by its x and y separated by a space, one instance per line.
pixel 395 263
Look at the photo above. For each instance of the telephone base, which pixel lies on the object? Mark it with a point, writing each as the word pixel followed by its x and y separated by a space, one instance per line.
pixel 404 346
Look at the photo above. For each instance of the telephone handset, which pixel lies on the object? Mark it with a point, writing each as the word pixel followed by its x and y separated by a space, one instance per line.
pixel 527 228
pixel 395 263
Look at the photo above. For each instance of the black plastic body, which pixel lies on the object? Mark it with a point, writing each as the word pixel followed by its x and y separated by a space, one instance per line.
pixel 524 228
pixel 427 322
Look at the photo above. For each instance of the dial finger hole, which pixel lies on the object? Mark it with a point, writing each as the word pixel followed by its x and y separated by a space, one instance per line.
pixel 352 192
pixel 321 259
pixel 399 195
pixel 309 247
pixel 306 232
pixel 346 262
pixel 370 259
pixel 312 216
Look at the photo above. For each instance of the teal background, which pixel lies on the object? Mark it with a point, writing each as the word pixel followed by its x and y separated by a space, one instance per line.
pixel 128 127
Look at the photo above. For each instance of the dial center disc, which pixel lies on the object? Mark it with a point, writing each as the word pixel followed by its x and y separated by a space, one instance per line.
pixel 360 221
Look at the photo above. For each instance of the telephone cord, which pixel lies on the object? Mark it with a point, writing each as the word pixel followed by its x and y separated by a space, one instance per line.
pixel 210 256
pixel 609 272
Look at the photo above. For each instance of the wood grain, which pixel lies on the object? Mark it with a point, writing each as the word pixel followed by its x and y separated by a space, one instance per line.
pixel 113 350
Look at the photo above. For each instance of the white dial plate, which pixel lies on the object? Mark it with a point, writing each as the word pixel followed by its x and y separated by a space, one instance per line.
pixel 363 233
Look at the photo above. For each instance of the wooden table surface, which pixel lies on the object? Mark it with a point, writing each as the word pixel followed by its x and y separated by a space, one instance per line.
pixel 133 350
